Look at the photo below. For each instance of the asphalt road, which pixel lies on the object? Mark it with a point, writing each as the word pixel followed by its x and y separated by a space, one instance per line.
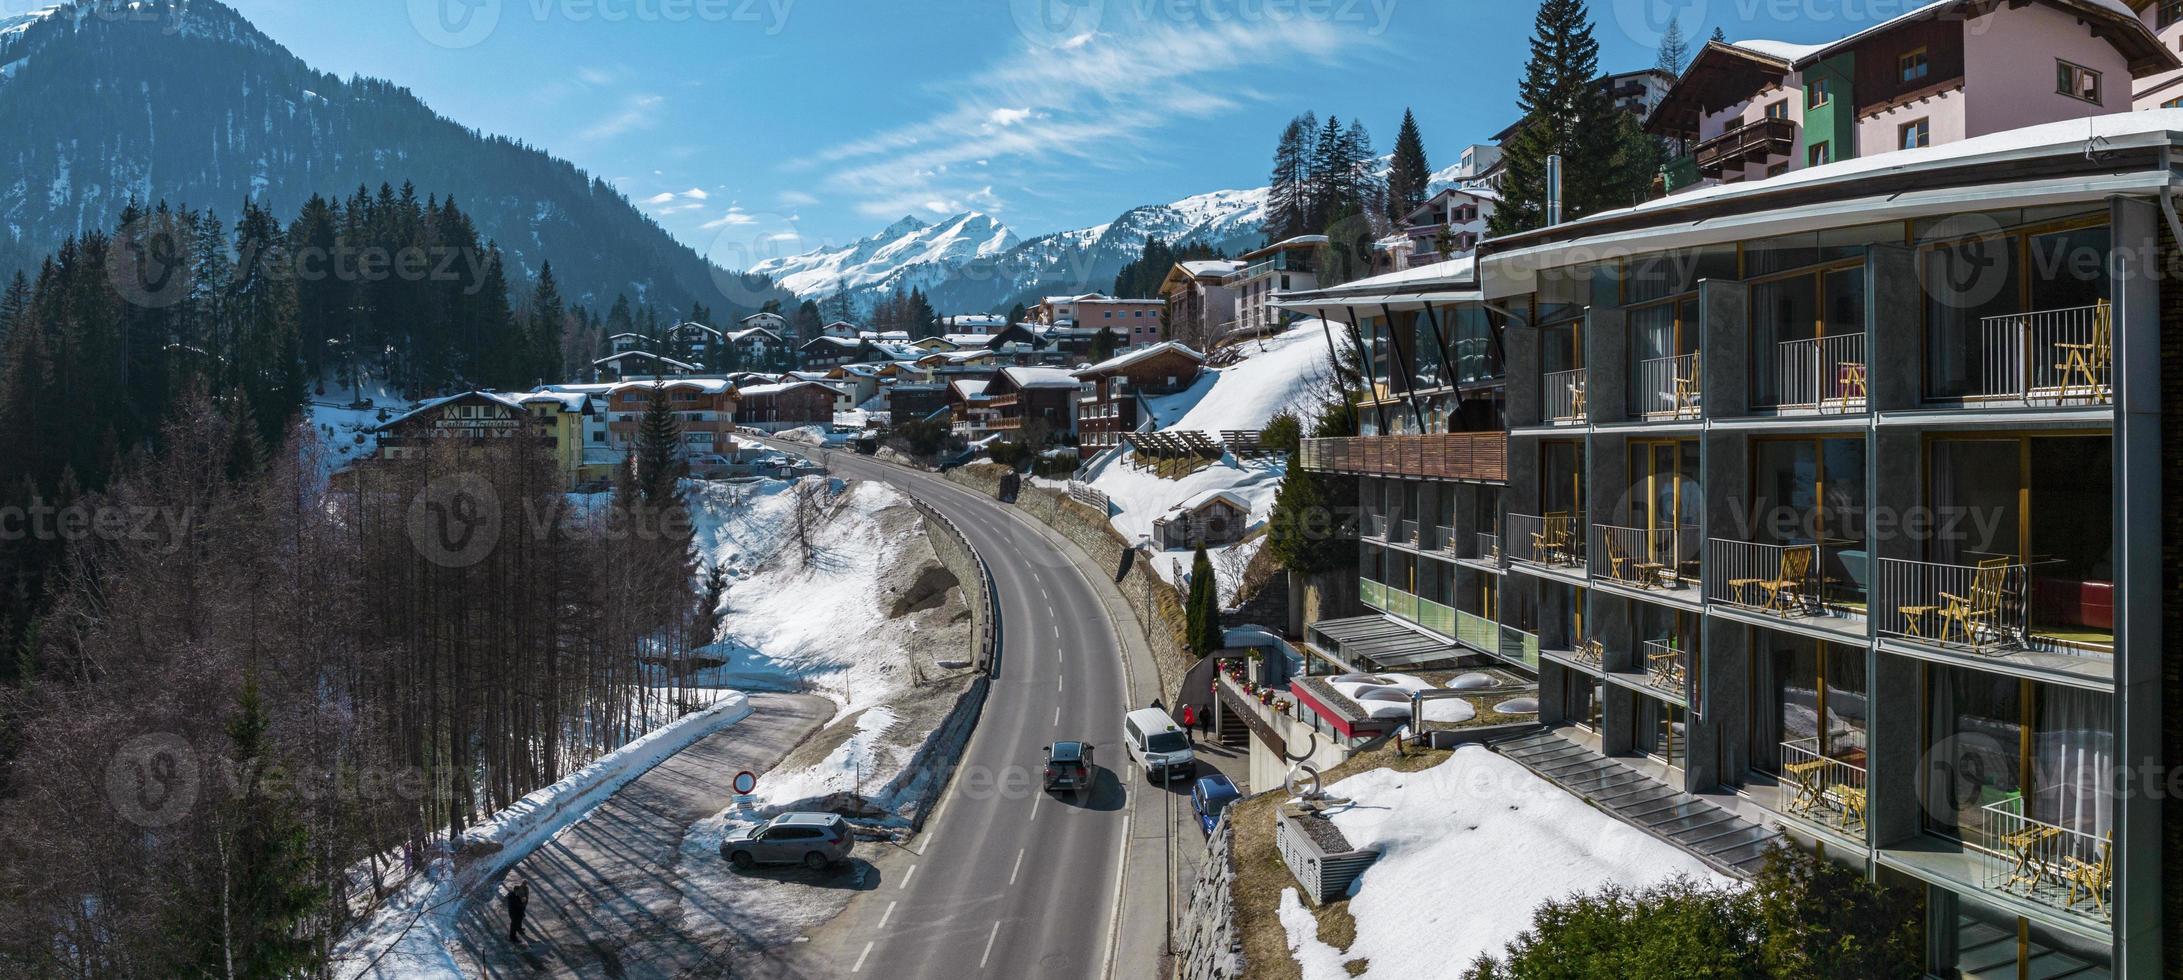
pixel 1007 880
pixel 605 899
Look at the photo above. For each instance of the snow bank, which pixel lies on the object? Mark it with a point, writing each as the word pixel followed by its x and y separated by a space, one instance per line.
pixel 346 433
pixel 1468 851
pixel 408 935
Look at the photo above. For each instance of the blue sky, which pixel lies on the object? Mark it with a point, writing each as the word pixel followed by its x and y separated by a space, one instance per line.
pixel 750 127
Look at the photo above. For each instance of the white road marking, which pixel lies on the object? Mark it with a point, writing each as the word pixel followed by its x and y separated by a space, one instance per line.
pixel 906 876
pixel 1058 682
pixel 884 916
pixel 859 967
pixel 995 934
pixel 1057 716
pixel 1018 867
pixel 1034 810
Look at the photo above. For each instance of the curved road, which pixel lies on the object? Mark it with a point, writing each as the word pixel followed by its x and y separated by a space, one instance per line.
pixel 1006 880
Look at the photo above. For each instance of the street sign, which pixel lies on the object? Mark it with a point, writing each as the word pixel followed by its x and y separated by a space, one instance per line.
pixel 746 783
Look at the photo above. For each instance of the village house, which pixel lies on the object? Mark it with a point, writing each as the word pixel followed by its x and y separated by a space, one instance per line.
pixel 1034 404
pixel 705 408
pixel 1109 405
pixel 768 321
pixel 468 422
pixel 973 323
pixel 639 365
pixel 1281 267
pixel 829 352
pixel 755 345
pixel 970 408
pixel 916 402
pixel 1449 225
pixel 1936 75
pixel 1207 520
pixel 1199 302
pixel 692 342
pixel 841 328
pixel 788 405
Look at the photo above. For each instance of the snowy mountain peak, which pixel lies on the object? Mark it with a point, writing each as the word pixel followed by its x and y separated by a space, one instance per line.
pixel 909 254
pixel 908 224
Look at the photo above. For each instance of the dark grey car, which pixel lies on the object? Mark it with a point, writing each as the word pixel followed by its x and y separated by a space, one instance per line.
pixel 815 840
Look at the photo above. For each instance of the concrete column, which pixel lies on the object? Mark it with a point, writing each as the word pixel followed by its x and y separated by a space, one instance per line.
pixel 1606 480
pixel 1553 707
pixel 1520 345
pixel 1724 320
pixel 1522 495
pixel 1719 747
pixel 1894 328
pixel 2139 636
pixel 1897 459
pixel 1607 365
pixel 1895 736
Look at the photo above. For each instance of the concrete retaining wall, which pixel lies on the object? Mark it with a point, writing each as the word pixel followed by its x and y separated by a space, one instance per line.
pixel 1209 947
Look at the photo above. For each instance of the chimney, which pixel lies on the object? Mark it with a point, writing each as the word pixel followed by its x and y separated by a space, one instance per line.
pixel 1553 189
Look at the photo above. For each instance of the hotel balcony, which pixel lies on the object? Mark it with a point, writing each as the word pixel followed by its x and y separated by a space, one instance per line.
pixel 1669 388
pixel 1816 585
pixel 1998 609
pixel 1817 374
pixel 1480 457
pixel 1821 789
pixel 1553 541
pixel 1564 396
pixel 1489 549
pixel 1667 669
pixel 1761 141
pixel 1665 560
pixel 2048 358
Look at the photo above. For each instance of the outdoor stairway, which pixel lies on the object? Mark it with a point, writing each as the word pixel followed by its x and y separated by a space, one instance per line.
pixel 1229 730
pixel 1729 843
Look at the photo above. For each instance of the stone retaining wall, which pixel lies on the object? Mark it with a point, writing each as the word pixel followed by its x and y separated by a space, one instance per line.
pixel 1210 946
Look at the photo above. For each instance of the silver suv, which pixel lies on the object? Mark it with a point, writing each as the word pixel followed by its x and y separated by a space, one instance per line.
pixel 815 840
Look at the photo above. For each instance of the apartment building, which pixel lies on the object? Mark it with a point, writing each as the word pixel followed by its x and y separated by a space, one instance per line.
pixel 1938 74
pixel 1200 304
pixel 1284 266
pixel 1108 405
pixel 704 407
pixel 1449 225
pixel 1832 503
pixel 1023 398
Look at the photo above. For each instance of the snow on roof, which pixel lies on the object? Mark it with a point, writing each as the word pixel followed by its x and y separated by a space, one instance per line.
pixel 837 341
pixel 710 386
pixel 1211 267
pixel 741 335
pixel 510 401
pixel 609 359
pixel 756 316
pixel 976 319
pixel 968 339
pixel 692 323
pixel 1125 360
pixel 1039 377
pixel 1199 500
pixel 970 387
pixel 775 389
pixel 1780 50
pixel 1455 274
pixel 571 401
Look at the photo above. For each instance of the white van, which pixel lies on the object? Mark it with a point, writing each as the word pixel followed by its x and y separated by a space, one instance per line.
pixel 1158 744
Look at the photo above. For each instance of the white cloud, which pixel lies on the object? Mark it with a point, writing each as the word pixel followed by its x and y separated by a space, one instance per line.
pixel 594 76
pixel 659 199
pixel 1101 101
pixel 636 112
pixel 696 194
pixel 798 199
pixel 734 217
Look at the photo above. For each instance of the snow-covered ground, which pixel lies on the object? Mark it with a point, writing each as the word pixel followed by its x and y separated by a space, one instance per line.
pixel 1286 372
pixel 1469 849
pixel 346 433
pixel 826 625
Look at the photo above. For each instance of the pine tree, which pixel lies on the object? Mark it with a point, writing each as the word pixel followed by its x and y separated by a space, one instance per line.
pixel 708 609
pixel 1202 612
pixel 808 323
pixel 1566 112
pixel 1104 344
pixel 1017 314
pixel 547 314
pixel 1410 177
pixel 1288 202
pixel 661 464
pixel 1674 50
pixel 1720 35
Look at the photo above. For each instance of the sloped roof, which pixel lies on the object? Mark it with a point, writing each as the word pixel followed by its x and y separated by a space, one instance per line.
pixel 1144 354
pixel 1039 377
pixel 511 401
pixel 644 354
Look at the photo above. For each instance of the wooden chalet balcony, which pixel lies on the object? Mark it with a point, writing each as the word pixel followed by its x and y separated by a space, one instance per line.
pixel 1471 456
pixel 1754 142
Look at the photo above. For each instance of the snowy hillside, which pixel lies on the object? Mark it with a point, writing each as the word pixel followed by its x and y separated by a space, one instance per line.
pixel 1284 373
pixel 907 254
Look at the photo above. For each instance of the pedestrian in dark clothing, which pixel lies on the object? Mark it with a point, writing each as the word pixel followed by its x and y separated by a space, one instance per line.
pixel 1205 721
pixel 518 898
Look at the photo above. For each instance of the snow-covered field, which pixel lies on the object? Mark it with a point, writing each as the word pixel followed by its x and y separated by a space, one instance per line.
pixel 346 432
pixel 1282 373
pixel 1469 849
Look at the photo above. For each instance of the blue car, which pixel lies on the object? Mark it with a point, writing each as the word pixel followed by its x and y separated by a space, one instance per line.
pixel 1209 796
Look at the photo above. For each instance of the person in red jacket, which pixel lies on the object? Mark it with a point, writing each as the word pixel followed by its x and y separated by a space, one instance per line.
pixel 1189 720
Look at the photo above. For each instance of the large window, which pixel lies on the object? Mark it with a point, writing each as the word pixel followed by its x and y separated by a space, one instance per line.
pixel 1789 312
pixel 1969 281
pixel 1811 490
pixel 2000 747
pixel 2077 81
pixel 1664 491
pixel 2045 502
pixel 1808 699
pixel 1658 333
pixel 1561 477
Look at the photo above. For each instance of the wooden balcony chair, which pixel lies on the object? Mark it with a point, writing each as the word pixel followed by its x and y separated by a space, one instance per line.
pixel 1789 582
pixel 1686 391
pixel 1850 383
pixel 2088 879
pixel 1550 543
pixel 1617 562
pixel 1974 613
pixel 1576 399
pixel 2088 362
pixel 1672 665
pixel 1594 653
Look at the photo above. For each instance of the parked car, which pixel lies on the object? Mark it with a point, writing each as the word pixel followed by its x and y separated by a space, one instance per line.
pixel 1069 765
pixel 1209 797
pixel 712 466
pixel 1159 744
pixel 815 840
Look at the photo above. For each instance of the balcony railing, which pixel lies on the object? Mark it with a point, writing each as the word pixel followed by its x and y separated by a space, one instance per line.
pixel 1375 527
pixel 1489 548
pixel 1821 373
pixel 1446 540
pixel 1782 580
pixel 1669 387
pixel 2054 356
pixel 1472 456
pixel 1828 790
pixel 1405 532
pixel 1982 607
pixel 1752 142
pixel 1520 646
pixel 1564 394
pixel 1667 668
pixel 1549 541
pixel 1477 631
pixel 1646 558
pixel 1590 653
pixel 2049 864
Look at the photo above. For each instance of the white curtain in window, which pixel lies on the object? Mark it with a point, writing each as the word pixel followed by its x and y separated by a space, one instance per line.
pixel 2074 760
